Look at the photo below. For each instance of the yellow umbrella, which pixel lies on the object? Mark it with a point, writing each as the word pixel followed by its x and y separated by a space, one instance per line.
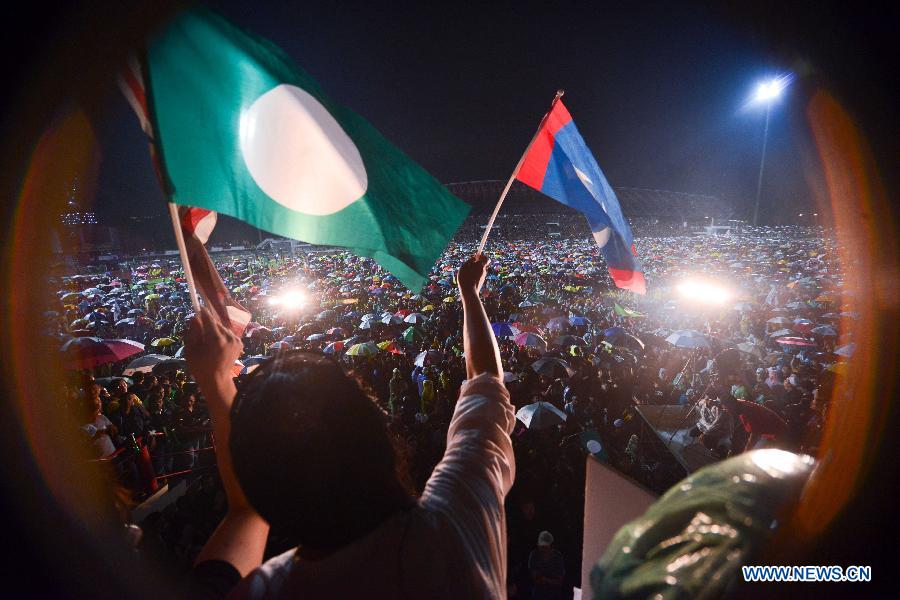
pixel 449 299
pixel 162 342
pixel 428 307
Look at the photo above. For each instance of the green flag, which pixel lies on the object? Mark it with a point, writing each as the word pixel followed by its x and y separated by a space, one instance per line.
pixel 626 312
pixel 592 444
pixel 242 131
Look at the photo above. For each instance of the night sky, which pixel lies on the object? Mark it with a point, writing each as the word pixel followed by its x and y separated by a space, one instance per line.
pixel 659 95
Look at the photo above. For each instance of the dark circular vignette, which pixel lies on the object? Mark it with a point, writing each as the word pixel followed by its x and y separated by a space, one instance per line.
pixel 71 51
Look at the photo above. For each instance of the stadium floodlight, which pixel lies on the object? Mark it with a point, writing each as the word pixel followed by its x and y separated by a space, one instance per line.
pixel 766 93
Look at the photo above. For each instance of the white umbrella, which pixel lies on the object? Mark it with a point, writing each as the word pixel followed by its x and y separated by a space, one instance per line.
pixel 846 351
pixel 824 330
pixel 780 321
pixel 688 338
pixel 144 364
pixel 540 415
pixel 781 333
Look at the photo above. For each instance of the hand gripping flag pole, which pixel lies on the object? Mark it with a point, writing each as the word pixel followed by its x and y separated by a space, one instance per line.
pixel 185 261
pixel 487 230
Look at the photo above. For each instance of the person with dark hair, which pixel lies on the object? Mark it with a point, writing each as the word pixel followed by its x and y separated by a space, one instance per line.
pixel 160 425
pixel 190 426
pixel 99 430
pixel 130 419
pixel 306 449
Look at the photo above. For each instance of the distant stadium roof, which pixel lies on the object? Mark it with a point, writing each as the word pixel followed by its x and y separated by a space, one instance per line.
pixel 636 202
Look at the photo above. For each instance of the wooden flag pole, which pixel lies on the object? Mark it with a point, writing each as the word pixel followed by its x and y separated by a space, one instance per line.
pixel 487 230
pixel 182 250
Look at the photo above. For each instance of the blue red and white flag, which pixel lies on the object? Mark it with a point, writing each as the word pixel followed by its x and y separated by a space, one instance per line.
pixel 560 165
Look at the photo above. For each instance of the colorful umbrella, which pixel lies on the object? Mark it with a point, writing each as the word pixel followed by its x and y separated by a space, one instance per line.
pixel 364 349
pixel 88 352
pixel 333 347
pixel 504 330
pixel 795 341
pixel 390 346
pixel 530 340
pixel 279 346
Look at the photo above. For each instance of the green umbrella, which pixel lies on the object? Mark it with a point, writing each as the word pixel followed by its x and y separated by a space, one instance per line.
pixel 412 335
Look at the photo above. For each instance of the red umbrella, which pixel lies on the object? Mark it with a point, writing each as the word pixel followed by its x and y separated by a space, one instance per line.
pixel 88 352
pixel 522 327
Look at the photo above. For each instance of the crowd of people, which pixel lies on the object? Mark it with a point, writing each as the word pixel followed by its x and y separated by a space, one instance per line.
pixel 754 359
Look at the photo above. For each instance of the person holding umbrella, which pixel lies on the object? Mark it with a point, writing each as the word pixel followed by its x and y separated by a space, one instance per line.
pixel 349 507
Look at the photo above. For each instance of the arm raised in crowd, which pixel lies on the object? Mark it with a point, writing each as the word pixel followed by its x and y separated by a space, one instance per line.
pixel 479 343
pixel 210 349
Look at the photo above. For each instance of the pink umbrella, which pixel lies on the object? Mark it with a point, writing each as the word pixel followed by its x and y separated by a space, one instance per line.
pixel 795 341
pixel 530 339
pixel 89 352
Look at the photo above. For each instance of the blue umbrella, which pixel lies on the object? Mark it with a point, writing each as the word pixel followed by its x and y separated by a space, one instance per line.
pixel 503 330
pixel 613 333
pixel 579 321
pixel 558 323
pixel 688 338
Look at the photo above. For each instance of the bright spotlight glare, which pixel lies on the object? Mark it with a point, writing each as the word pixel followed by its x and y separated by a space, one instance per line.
pixel 291 299
pixel 769 90
pixel 704 292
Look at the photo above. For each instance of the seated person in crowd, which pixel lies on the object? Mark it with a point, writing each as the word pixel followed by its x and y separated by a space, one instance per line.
pixel 306 449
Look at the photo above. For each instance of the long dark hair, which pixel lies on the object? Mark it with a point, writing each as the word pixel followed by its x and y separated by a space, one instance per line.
pixel 312 451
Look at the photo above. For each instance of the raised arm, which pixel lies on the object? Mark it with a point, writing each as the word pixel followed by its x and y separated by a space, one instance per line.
pixel 479 343
pixel 210 350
